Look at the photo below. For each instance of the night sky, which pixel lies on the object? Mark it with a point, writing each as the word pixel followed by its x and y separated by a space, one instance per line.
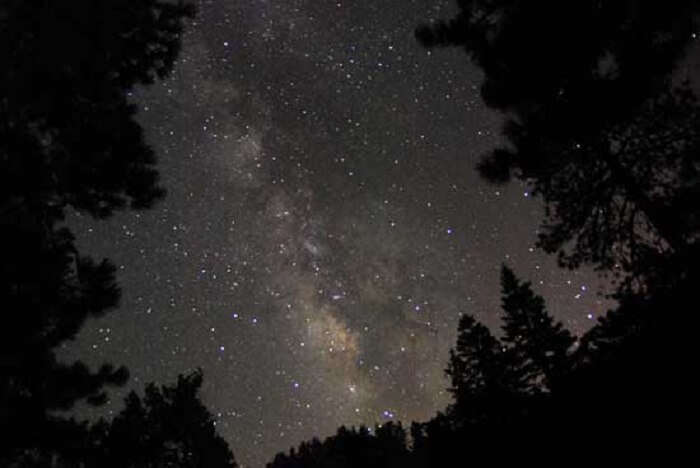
pixel 324 225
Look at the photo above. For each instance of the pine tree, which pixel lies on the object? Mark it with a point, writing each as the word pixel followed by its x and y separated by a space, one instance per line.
pixel 385 448
pixel 475 365
pixel 598 128
pixel 69 141
pixel 170 426
pixel 538 347
pixel 486 391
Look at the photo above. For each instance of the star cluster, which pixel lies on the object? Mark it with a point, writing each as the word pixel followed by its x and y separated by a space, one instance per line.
pixel 324 226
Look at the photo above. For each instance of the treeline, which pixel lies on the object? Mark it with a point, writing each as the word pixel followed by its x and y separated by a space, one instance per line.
pixel 539 395
pixel 599 125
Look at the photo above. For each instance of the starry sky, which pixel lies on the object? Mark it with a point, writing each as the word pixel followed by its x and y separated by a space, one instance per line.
pixel 324 226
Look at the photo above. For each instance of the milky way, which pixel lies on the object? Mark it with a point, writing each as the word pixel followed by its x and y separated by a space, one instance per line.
pixel 324 227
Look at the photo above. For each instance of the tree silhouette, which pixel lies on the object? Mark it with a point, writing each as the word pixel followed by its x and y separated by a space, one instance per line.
pixel 503 388
pixel 68 138
pixel 475 366
pixel 619 196
pixel 597 126
pixel 632 374
pixel 594 125
pixel 557 56
pixel 487 383
pixel 538 347
pixel 169 427
pixel 68 134
pixel 350 448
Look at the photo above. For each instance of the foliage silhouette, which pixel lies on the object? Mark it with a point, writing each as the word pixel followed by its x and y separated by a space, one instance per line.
pixel 497 381
pixel 553 55
pixel 622 381
pixel 68 138
pixel 68 132
pixel 537 346
pixel 534 393
pixel 594 124
pixel 504 393
pixel 350 448
pixel 482 382
pixel 597 128
pixel 169 427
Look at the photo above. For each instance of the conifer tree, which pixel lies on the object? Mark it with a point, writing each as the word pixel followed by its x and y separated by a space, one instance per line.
pixel 385 448
pixel 537 345
pixel 475 365
pixel 169 427
pixel 597 127
pixel 486 391
pixel 69 142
